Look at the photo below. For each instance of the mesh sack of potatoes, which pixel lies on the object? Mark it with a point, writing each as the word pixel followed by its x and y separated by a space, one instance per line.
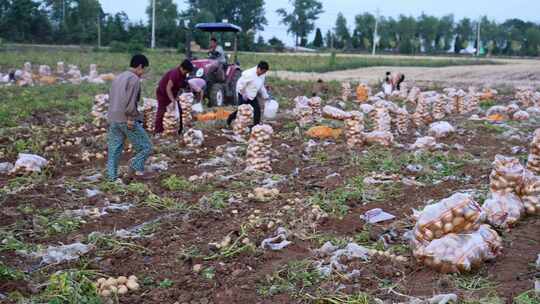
pixel 382 138
pixel 506 175
pixel 149 109
pixel 439 108
pixel 335 113
pixel 503 209
pixel 402 120
pixel 413 95
pixel 533 161
pixel 186 103
pixel 354 126
pixel 316 109
pixel 487 94
pixel 461 253
pixel 346 91
pixel 530 192
pixel 383 121
pixel 243 120
pixel 258 156
pixel 362 92
pixel 455 214
pixel 170 120
pixel 323 132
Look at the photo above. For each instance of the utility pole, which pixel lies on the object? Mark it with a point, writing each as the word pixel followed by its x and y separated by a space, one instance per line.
pixel 153 45
pixel 99 30
pixel 375 34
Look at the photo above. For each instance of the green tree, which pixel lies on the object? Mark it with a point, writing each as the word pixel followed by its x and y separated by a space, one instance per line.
pixel 301 21
pixel 328 39
pixel 406 29
pixel 23 21
pixel 276 44
pixel 532 38
pixel 464 35
pixel 365 26
pixel 318 41
pixel 445 33
pixel 342 32
pixel 427 28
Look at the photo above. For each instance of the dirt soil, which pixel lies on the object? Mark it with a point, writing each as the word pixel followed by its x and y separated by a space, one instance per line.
pixel 178 239
pixel 511 72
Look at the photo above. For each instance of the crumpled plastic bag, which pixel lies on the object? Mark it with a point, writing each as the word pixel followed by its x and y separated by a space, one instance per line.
pixel 59 254
pixel 270 109
pixel 455 214
pixel 193 138
pixel 278 241
pixel 459 253
pixel 441 129
pixel 29 163
pixel 503 209
pixel 424 143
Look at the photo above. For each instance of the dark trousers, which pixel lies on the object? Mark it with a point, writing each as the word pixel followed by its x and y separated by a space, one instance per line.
pixel 256 110
pixel 163 103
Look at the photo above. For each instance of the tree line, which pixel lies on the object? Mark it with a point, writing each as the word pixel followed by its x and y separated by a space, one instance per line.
pixel 83 21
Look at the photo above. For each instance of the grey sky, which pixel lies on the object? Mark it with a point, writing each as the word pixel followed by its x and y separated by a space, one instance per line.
pixel 495 9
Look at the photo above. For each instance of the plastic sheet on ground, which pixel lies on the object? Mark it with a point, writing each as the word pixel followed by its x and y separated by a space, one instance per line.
pixel 376 215
pixel 441 129
pixel 338 256
pixel 278 241
pixel 59 254
pixel 29 163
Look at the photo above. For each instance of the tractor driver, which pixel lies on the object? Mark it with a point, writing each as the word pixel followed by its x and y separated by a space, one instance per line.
pixel 216 52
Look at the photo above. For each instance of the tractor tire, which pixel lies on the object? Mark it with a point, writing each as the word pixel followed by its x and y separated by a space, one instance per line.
pixel 217 95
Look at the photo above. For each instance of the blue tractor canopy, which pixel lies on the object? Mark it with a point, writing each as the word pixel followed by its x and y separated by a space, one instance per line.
pixel 218 27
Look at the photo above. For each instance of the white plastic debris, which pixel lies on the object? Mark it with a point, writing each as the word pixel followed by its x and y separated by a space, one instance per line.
pixel 5 167
pixel 92 192
pixel 270 109
pixel 29 163
pixel 278 241
pixel 441 129
pixel 443 299
pixel 376 215
pixel 424 143
pixel 59 254
pixel 197 108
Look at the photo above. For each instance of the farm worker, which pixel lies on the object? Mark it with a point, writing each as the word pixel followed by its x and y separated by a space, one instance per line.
pixel 125 120
pixel 216 52
pixel 251 84
pixel 319 88
pixel 387 84
pixel 397 79
pixel 167 91
pixel 197 86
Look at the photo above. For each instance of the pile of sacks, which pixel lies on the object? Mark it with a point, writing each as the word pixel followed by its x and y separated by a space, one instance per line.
pixel 303 111
pixel 527 96
pixel 346 91
pixel 514 190
pixel 99 110
pixel 354 128
pixel 362 92
pixel 186 104
pixel 75 74
pixel 449 237
pixel 149 110
pixel 244 119
pixel 259 151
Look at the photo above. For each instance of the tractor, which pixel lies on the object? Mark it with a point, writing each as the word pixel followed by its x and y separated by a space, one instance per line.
pixel 220 79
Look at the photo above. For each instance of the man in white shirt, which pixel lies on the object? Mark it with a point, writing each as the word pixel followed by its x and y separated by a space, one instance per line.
pixel 216 52
pixel 251 84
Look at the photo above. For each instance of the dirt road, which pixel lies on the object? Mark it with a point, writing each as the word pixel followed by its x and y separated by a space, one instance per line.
pixel 511 73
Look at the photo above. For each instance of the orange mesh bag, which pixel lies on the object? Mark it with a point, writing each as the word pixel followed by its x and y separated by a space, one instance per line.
pixel 324 132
